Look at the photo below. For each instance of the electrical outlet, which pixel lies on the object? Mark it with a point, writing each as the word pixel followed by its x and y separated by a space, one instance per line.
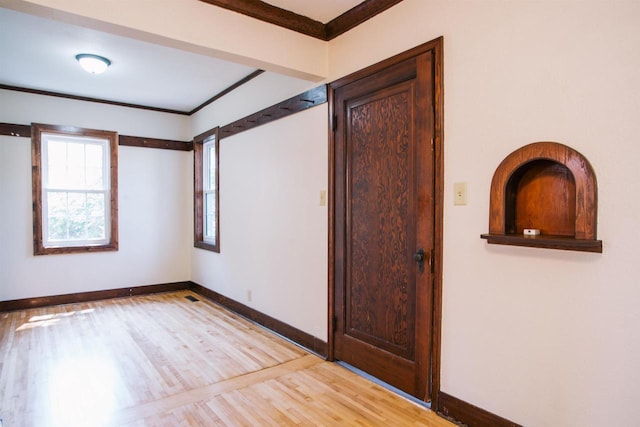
pixel 323 197
pixel 460 193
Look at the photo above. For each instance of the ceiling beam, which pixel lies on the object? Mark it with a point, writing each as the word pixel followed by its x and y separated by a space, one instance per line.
pixel 273 15
pixel 226 91
pixel 284 18
pixel 356 16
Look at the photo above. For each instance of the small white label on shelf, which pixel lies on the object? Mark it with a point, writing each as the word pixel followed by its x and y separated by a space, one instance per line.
pixel 531 232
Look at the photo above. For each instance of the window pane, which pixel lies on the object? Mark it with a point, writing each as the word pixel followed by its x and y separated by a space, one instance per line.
pixel 209 215
pixel 56 164
pixel 212 166
pixel 95 216
pixel 77 215
pixel 93 166
pixel 210 203
pixel 75 165
pixel 210 228
pixel 57 216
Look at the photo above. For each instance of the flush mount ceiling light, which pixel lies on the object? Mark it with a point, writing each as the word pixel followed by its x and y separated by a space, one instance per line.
pixel 93 64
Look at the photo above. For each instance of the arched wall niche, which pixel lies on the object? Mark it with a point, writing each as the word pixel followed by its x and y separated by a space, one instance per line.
pixel 547 186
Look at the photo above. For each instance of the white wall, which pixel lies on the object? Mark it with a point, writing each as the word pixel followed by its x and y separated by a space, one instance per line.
pixel 541 337
pixel 154 212
pixel 273 231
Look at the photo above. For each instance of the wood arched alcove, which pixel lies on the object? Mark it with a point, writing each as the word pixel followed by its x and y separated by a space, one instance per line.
pixel 548 186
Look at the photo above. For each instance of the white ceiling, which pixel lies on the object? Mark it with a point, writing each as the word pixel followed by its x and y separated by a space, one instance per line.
pixel 38 53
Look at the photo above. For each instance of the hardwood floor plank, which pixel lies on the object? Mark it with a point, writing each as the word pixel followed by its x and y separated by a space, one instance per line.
pixel 202 393
pixel 162 360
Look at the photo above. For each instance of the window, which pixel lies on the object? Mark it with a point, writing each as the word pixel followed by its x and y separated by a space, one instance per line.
pixel 75 190
pixel 206 197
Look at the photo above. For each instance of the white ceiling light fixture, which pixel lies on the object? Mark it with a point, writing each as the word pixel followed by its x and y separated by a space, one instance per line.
pixel 93 64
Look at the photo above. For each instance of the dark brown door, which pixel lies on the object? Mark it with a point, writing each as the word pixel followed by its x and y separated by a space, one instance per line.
pixel 384 223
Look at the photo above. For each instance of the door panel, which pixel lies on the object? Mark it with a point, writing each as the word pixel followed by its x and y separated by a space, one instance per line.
pixel 383 177
pixel 380 220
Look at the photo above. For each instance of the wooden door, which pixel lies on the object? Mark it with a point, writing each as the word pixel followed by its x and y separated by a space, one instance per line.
pixel 383 222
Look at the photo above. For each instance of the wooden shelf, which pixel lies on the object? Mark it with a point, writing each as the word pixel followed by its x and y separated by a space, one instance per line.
pixel 546 186
pixel 545 241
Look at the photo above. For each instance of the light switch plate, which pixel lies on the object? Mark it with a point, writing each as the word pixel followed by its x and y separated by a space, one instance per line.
pixel 460 193
pixel 323 197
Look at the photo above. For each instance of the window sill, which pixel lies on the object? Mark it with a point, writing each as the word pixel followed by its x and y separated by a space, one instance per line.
pixel 207 246
pixel 39 250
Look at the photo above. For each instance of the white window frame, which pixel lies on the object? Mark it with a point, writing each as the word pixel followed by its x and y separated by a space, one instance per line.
pixel 46 189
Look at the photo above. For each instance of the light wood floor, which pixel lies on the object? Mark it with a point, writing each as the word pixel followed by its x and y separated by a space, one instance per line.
pixel 162 360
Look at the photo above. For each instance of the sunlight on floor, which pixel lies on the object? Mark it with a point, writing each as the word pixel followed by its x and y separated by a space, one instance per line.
pixel 82 391
pixel 50 319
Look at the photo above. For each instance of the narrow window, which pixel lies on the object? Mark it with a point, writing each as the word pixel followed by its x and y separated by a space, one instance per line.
pixel 206 203
pixel 75 190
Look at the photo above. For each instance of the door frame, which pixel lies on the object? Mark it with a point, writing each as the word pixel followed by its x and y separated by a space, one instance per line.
pixel 436 48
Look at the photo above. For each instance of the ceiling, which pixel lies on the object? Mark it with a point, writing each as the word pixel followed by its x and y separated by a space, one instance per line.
pixel 39 54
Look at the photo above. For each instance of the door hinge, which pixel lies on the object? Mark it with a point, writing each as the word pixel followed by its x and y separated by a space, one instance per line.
pixel 334 323
pixel 334 122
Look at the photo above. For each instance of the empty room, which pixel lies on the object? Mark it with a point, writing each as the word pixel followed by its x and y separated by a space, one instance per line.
pixel 345 212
